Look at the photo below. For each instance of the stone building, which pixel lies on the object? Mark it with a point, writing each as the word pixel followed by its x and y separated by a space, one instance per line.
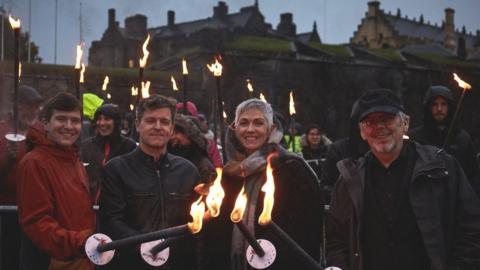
pixel 386 30
pixel 121 46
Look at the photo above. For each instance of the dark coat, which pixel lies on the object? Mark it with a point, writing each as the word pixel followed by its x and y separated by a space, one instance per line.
pixel 140 195
pixel 460 144
pixel 445 206
pixel 298 209
pixel 93 153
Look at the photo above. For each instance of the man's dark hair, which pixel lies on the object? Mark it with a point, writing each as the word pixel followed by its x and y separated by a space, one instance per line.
pixel 156 102
pixel 62 101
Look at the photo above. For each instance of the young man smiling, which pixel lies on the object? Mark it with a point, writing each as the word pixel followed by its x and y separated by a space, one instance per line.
pixel 55 210
pixel 403 205
pixel 149 189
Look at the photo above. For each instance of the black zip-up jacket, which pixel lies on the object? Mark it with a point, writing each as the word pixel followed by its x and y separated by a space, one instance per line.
pixel 140 195
pixel 445 206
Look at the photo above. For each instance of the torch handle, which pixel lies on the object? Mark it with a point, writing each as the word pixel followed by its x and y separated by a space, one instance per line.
pixel 454 118
pixel 221 120
pixel 16 63
pixel 165 244
pixel 250 238
pixel 140 80
pixel 295 247
pixel 77 83
pixel 142 238
pixel 185 111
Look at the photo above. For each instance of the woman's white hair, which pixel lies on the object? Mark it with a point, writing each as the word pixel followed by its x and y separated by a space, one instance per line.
pixel 257 104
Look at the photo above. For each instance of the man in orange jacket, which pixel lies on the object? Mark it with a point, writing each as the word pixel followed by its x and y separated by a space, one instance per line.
pixel 55 208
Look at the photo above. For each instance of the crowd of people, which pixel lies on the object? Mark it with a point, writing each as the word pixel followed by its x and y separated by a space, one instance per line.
pixel 399 198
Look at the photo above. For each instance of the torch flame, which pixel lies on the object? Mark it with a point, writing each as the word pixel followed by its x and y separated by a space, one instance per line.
pixel 215 195
pixel 461 83
pixel 269 189
pixel 174 84
pixel 14 23
pixel 224 115
pixel 109 96
pixel 184 67
pixel 82 71
pixel 105 83
pixel 134 91
pixel 215 68
pixel 249 86
pixel 262 98
pixel 240 204
pixel 197 211
pixel 146 89
pixel 291 104
pixel 79 56
pixel 132 107
pixel 143 60
pixel 19 70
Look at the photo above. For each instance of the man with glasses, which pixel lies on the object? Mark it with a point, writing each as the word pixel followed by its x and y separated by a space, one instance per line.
pixel 403 205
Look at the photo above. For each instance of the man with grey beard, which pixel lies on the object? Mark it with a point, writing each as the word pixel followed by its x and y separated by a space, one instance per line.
pixel 402 205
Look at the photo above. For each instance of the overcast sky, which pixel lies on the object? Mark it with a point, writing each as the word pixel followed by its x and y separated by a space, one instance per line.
pixel 336 19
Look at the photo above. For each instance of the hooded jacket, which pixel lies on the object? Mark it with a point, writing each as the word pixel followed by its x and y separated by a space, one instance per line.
pixel 460 144
pixel 197 151
pixel 446 209
pixel 54 206
pixel 297 208
pixel 96 151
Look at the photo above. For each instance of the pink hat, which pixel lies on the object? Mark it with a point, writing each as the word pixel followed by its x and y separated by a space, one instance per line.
pixel 191 108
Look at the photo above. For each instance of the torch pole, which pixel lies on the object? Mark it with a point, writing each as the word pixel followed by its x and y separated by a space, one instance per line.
pixel 250 238
pixel 165 244
pixel 77 83
pixel 16 64
pixel 454 118
pixel 140 80
pixel 185 77
pixel 147 237
pixel 294 246
pixel 220 118
pixel 292 132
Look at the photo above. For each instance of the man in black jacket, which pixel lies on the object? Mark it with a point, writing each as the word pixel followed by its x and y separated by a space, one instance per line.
pixel 108 143
pixel 403 205
pixel 439 110
pixel 149 189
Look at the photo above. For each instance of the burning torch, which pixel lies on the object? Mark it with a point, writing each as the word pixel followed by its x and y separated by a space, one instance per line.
pixel 78 70
pixel 250 88
pixel 291 109
pixel 174 87
pixel 465 87
pixel 106 81
pixel 185 79
pixel 100 249
pixel 216 69
pixel 142 63
pixel 15 136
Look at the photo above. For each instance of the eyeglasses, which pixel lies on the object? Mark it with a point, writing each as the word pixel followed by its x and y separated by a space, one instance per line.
pixel 385 119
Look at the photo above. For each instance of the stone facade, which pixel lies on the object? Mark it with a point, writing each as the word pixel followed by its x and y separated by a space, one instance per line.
pixel 385 30
pixel 121 46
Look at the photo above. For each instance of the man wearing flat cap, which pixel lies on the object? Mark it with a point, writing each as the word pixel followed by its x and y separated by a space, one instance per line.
pixel 11 153
pixel 402 205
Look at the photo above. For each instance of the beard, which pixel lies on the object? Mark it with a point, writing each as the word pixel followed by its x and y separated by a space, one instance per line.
pixel 384 147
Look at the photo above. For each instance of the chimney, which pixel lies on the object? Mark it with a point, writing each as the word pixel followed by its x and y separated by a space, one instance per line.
pixel 373 8
pixel 136 25
pixel 286 27
pixel 111 18
pixel 449 30
pixel 171 18
pixel 221 10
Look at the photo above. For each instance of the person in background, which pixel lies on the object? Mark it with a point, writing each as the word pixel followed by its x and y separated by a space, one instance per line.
pixel 437 120
pixel 213 152
pixel 10 155
pixel 54 206
pixel 108 143
pixel 190 143
pixel 150 189
pixel 292 139
pixel 314 147
pixel 351 147
pixel 402 205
